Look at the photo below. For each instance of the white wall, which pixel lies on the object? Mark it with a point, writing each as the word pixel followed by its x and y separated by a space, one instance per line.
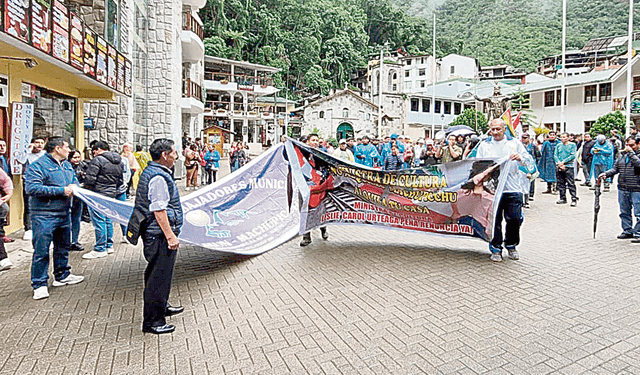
pixel 464 67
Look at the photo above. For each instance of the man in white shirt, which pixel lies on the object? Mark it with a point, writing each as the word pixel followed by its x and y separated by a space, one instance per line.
pixel 510 206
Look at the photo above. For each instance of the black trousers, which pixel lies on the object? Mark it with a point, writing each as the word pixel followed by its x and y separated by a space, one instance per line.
pixel 157 279
pixel 509 209
pixel 565 180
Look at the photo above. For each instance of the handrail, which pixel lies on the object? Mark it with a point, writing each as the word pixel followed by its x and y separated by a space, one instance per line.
pixel 190 23
pixel 191 89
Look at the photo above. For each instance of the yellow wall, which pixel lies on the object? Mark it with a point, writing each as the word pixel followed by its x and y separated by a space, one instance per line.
pixel 54 78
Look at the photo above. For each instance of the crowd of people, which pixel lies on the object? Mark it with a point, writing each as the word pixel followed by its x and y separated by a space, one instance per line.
pixel 203 159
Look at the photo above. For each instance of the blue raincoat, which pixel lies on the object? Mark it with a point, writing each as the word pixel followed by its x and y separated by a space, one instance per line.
pixel 547 165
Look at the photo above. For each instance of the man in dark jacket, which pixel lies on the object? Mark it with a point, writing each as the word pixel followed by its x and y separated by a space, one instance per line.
pixel 627 166
pixel 587 158
pixel 158 202
pixel 48 183
pixel 104 176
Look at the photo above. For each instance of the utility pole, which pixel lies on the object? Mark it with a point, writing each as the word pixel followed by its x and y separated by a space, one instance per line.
pixel 629 69
pixel 381 65
pixel 563 128
pixel 433 83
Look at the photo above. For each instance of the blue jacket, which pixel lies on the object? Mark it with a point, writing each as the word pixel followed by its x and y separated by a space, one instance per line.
pixel 44 181
pixel 214 157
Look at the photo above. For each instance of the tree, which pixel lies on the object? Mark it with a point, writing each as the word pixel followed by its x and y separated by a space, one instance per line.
pixel 604 124
pixel 523 105
pixel 472 118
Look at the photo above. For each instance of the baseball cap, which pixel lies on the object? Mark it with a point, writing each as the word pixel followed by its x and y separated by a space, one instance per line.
pixel 343 141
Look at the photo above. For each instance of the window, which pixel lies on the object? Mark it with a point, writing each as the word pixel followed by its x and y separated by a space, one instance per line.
pixel 447 108
pixel 605 92
pixel 559 97
pixel 549 126
pixel 409 62
pixel 453 69
pixel 395 76
pixel 368 116
pixel 414 105
pixel 321 114
pixel 438 105
pixel 422 60
pixel 457 108
pixel 636 83
pixel 421 71
pixel 426 105
pixel 407 73
pixel 422 83
pixel 345 112
pixel 588 125
pixel 394 87
pixel 549 98
pixel 112 22
pixel 590 94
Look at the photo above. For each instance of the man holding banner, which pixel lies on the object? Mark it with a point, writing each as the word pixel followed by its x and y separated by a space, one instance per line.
pixel 510 206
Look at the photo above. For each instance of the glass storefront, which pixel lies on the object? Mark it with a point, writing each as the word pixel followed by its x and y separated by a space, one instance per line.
pixel 55 114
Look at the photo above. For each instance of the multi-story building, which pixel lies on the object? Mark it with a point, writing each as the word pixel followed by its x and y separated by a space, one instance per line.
pixel 233 89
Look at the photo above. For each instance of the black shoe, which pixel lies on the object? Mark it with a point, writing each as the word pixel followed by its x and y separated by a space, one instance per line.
pixel 624 236
pixel 547 192
pixel 171 310
pixel 635 240
pixel 526 205
pixel 531 198
pixel 325 235
pixel 158 330
pixel 574 202
pixel 305 242
pixel 76 247
pixel 562 201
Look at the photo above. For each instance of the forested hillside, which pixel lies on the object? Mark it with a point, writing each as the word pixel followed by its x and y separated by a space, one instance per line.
pixel 318 43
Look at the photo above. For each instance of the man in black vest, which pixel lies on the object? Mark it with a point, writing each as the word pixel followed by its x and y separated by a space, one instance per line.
pixel 158 200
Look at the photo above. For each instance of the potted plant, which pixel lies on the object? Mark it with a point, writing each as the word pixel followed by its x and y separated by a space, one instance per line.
pixel 224 81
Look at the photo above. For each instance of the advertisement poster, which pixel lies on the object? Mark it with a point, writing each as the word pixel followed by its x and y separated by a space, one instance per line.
pixel 89 52
pixel 4 90
pixel 76 42
pixel 120 70
pixel 101 67
pixel 16 21
pixel 21 133
pixel 60 31
pixel 111 67
pixel 127 77
pixel 40 25
pixel 448 199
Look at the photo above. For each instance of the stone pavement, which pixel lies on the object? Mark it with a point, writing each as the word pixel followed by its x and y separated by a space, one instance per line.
pixel 367 301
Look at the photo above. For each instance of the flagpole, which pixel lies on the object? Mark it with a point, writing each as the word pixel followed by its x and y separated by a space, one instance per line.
pixel 629 69
pixel 563 127
pixel 433 82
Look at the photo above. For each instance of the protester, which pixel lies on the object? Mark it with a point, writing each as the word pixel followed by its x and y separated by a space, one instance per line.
pixel 37 145
pixel 533 151
pixel 366 153
pixel 351 146
pixel 313 142
pixel 417 153
pixel 127 152
pixel 449 151
pixel 393 161
pixel 564 157
pixel 6 190
pixel 142 157
pixel 587 158
pixel 105 175
pixel 158 201
pixel 191 163
pixel 547 165
pixel 48 183
pixel 602 152
pixel 628 188
pixel 428 155
pixel 77 206
pixel 238 156
pixel 342 152
pixel 212 158
pixel 510 206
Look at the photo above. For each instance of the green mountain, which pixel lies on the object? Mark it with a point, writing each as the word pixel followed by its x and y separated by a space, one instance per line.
pixel 319 43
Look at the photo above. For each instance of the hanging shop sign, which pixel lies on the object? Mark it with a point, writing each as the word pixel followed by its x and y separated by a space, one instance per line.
pixel 16 19
pixel 111 66
pixel 60 31
pixel 41 25
pixel 120 71
pixel 101 68
pixel 76 42
pixel 21 133
pixel 89 52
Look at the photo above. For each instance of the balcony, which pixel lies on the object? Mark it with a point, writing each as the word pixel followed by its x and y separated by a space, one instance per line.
pixel 191 101
pixel 191 37
pixel 195 4
pixel 225 81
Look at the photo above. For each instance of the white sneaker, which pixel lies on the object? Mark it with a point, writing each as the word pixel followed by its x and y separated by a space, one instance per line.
pixel 41 293
pixel 111 250
pixel 69 280
pixel 94 254
pixel 28 236
pixel 5 264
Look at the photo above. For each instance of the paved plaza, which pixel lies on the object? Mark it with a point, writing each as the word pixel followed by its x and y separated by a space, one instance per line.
pixel 367 301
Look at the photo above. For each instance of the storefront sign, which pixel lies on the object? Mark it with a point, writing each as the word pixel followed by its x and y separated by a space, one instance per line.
pixel 16 20
pixel 21 133
pixel 120 70
pixel 618 104
pixel 28 90
pixel 40 25
pixel 245 87
pixel 89 52
pixel 4 91
pixel 111 67
pixel 60 31
pixel 76 42
pixel 101 68
pixel 127 77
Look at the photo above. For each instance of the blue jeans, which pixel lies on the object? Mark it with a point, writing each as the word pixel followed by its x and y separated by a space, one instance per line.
pixel 122 197
pixel 49 228
pixel 76 217
pixel 104 231
pixel 629 200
